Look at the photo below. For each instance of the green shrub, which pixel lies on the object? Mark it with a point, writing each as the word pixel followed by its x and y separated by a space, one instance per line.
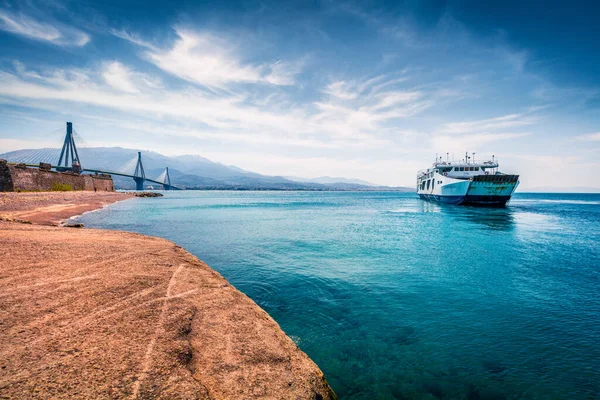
pixel 61 187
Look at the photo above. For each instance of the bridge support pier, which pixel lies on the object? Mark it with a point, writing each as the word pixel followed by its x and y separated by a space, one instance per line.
pixel 167 184
pixel 139 183
pixel 139 176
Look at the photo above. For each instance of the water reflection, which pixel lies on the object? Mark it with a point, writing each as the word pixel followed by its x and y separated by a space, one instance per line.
pixel 428 207
pixel 497 219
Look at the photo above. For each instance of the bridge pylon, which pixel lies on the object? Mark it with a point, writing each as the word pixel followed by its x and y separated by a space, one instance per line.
pixel 167 184
pixel 69 150
pixel 139 176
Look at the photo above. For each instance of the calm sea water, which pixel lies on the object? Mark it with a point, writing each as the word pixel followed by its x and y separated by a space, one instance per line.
pixel 394 297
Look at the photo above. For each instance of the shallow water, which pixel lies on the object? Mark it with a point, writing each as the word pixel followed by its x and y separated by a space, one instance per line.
pixel 394 297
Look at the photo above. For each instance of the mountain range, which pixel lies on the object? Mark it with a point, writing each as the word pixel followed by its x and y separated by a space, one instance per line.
pixel 189 171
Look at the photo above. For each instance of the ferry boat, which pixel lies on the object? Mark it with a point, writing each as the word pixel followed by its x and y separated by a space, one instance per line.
pixel 466 182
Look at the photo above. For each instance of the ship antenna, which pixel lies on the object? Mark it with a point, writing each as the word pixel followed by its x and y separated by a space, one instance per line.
pixel 447 159
pixel 473 156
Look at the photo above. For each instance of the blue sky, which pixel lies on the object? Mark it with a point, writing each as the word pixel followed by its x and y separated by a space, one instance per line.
pixel 369 90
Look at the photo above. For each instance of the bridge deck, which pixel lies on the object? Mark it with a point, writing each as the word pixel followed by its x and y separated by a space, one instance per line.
pixel 110 173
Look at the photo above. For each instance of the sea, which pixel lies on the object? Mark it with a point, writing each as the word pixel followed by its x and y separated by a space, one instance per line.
pixel 397 298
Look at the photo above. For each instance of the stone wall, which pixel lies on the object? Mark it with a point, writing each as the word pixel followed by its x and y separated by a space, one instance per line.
pixel 14 178
pixel 6 183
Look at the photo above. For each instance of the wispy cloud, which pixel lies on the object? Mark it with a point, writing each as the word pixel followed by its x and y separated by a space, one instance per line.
pixel 365 107
pixel 122 78
pixel 472 141
pixel 227 115
pixel 477 135
pixel 398 87
pixel 284 72
pixel 325 123
pixel 204 59
pixel 210 60
pixel 341 90
pixel 119 77
pixel 590 137
pixel 491 124
pixel 132 37
pixel 55 33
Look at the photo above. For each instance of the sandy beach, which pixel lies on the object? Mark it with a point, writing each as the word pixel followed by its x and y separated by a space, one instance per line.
pixel 88 313
pixel 50 208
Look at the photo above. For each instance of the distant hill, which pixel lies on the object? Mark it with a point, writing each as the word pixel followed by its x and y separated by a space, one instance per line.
pixel 189 172
pixel 328 179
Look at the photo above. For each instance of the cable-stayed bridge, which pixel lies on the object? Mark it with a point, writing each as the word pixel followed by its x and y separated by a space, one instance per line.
pixel 68 160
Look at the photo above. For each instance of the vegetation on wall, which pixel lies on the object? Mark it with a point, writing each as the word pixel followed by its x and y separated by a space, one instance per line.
pixel 61 187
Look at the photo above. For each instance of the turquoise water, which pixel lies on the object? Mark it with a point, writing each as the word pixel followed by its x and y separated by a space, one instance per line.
pixel 394 297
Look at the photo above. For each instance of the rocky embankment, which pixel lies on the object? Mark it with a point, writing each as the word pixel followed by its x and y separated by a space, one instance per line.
pixel 88 313
pixel 147 194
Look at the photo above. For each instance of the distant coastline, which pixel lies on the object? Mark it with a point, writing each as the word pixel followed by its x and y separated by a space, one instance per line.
pixel 191 172
pixel 247 189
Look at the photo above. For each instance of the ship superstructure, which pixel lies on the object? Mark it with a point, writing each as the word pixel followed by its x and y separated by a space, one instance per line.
pixel 466 182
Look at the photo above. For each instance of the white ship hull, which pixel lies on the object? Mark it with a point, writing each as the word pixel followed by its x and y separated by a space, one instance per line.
pixel 473 188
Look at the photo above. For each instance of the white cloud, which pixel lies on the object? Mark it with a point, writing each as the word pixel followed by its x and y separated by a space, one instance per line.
pixel 472 141
pixel 122 78
pixel 359 108
pixel 55 33
pixel 284 73
pixel 225 117
pixel 119 77
pixel 205 59
pixel 506 121
pixel 476 135
pixel 131 37
pixel 341 90
pixel 590 137
pixel 390 100
pixel 210 60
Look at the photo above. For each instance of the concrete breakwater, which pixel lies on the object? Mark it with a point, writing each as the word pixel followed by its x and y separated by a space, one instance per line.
pixel 91 313
pixel 18 177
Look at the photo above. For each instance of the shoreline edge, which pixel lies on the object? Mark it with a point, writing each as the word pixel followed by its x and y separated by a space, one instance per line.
pixel 91 312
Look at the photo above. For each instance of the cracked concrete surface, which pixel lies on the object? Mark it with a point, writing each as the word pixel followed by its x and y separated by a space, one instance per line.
pixel 89 313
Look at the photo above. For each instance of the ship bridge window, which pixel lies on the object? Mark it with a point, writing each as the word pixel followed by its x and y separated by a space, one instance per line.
pixel 456 168
pixel 472 169
pixel 462 168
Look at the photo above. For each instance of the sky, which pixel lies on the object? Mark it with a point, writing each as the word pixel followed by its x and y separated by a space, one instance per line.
pixel 370 90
